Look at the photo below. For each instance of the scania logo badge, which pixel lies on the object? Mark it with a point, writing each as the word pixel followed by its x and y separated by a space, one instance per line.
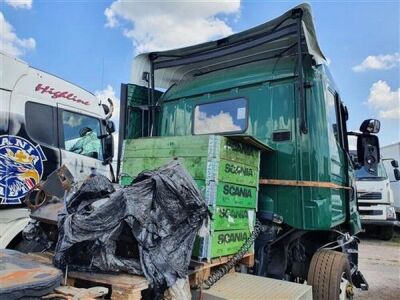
pixel 21 168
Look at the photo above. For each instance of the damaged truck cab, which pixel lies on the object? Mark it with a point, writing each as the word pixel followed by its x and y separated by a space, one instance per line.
pixel 45 122
pixel 270 82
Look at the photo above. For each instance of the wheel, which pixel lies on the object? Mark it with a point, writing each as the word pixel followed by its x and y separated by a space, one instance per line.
pixel 385 233
pixel 329 276
pixel 26 246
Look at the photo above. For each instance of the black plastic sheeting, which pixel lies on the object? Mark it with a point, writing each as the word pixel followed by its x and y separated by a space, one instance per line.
pixel 33 231
pixel 161 211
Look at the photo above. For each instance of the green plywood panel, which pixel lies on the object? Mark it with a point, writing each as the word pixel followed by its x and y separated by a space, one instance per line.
pixel 219 243
pixel 227 242
pixel 196 166
pixel 166 147
pixel 236 195
pixel 235 151
pixel 210 146
pixel 232 218
pixel 210 158
pixel 199 167
pixel 228 194
pixel 200 151
pixel 235 172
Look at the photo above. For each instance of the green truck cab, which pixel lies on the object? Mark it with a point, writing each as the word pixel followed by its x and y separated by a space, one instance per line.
pixel 270 83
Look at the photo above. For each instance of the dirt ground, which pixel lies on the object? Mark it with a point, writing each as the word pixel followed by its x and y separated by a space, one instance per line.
pixel 379 261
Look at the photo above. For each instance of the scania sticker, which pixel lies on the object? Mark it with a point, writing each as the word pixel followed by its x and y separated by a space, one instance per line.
pixel 21 168
pixel 241 171
pixel 241 148
pixel 235 213
pixel 231 237
pixel 234 190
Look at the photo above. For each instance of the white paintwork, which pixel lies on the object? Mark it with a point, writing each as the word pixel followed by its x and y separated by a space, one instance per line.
pixel 18 84
pixel 375 186
pixel 392 151
pixel 80 165
pixel 12 222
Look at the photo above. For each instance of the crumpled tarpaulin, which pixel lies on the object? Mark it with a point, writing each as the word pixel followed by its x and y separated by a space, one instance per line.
pixel 161 211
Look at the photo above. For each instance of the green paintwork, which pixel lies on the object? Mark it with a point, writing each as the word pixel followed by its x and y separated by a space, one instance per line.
pixel 136 95
pixel 125 180
pixel 231 218
pixel 270 88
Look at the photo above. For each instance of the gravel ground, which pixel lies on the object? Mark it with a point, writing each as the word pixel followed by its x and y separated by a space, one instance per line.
pixel 379 261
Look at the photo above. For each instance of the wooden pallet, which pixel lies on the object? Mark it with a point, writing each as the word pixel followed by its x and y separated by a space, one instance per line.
pixel 199 271
pixel 123 286
pixel 72 293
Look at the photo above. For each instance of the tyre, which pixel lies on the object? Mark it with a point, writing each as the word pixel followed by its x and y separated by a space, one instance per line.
pixel 385 233
pixel 26 246
pixel 329 275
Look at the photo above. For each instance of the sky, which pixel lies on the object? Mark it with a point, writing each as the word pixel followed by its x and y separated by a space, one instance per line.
pixel 93 43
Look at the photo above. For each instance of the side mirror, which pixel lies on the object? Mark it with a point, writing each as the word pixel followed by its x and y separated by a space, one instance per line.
pixel 106 109
pixel 108 151
pixel 370 126
pixel 396 174
pixel 368 152
pixel 110 126
pixel 394 163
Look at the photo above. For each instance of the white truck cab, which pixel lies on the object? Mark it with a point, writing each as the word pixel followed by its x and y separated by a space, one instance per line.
pixel 45 122
pixel 375 201
pixel 390 153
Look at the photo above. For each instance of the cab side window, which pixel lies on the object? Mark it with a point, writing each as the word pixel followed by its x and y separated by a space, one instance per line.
pixel 80 134
pixel 333 128
pixel 40 123
pixel 337 119
pixel 226 116
pixel 332 115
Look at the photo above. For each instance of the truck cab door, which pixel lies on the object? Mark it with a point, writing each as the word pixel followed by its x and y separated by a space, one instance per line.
pixel 135 115
pixel 81 149
pixel 135 118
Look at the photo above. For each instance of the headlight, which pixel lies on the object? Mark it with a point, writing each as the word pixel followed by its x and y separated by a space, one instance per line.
pixel 390 212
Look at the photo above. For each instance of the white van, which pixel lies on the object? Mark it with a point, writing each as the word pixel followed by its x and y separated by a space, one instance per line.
pixel 45 122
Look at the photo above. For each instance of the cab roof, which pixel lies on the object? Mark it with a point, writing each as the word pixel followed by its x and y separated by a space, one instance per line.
pixel 273 39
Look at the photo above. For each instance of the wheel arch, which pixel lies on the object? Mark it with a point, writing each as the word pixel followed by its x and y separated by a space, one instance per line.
pixel 12 232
